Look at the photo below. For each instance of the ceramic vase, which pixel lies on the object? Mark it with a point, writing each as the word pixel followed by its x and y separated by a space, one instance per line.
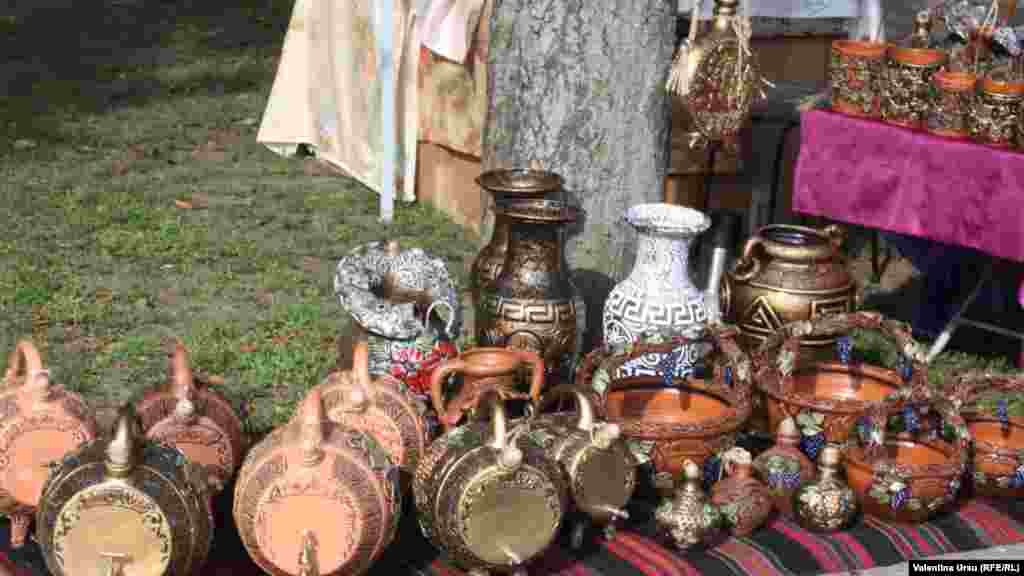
pixel 659 297
pixel 744 501
pixel 532 304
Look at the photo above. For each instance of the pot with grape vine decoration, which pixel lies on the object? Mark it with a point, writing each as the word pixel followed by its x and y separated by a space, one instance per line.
pixel 668 419
pixel 784 467
pixel 824 398
pixel 532 304
pixel 908 455
pixel 994 413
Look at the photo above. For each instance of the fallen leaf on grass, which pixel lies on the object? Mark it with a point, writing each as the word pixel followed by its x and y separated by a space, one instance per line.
pixel 199 200
pixel 167 296
pixel 119 365
pixel 215 380
pixel 211 151
pixel 119 168
pixel 104 296
pixel 264 297
pixel 311 264
pixel 247 348
pixel 184 205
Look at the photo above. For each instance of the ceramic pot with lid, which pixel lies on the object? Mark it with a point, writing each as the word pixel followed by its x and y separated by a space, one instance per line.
pixel 482 369
pixel 491 505
pixel 381 407
pixel 825 398
pixel 125 505
pixel 194 419
pixel 40 422
pixel 334 484
pixel 599 470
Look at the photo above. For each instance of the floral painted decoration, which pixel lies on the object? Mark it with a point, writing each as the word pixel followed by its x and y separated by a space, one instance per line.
pixel 892 487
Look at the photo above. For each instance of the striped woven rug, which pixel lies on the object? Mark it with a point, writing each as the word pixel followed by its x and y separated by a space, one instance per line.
pixel 781 548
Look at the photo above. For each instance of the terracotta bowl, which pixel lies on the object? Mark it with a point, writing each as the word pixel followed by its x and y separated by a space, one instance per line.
pixel 668 421
pixel 826 398
pixel 994 413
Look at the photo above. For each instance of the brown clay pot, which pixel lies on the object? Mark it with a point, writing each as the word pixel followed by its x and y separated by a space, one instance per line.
pixel 745 503
pixel 125 504
pixel 482 368
pixel 492 505
pixel 826 398
pixel 194 419
pixel 671 420
pixel 856 70
pixel 907 86
pixel 314 479
pixel 599 471
pixel 952 104
pixel 994 413
pixel 504 185
pixel 995 116
pixel 907 469
pixel 785 274
pixel 381 407
pixel 40 422
pixel 783 467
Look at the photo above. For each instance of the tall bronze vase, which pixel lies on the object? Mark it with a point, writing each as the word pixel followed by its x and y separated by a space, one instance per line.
pixel 532 305
pixel 504 185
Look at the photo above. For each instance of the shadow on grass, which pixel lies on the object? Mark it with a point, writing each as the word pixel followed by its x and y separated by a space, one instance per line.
pixel 61 58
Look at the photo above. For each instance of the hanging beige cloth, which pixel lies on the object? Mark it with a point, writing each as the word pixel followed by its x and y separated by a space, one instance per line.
pixel 326 93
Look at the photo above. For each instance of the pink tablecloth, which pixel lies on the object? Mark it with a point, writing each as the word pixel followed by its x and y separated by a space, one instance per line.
pixel 880 176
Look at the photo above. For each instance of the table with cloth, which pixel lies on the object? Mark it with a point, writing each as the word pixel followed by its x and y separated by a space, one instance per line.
pixel 948 203
pixel 780 548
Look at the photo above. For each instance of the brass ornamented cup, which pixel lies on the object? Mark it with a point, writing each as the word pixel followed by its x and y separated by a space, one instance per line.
pixel 856 71
pixel 995 116
pixel 906 94
pixel 951 103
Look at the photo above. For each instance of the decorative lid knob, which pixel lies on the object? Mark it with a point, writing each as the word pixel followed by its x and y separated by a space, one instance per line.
pixel 830 456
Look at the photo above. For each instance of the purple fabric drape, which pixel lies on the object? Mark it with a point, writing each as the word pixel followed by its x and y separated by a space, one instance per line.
pixel 880 176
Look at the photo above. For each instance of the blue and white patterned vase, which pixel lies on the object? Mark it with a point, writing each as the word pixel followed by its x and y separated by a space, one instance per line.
pixel 659 296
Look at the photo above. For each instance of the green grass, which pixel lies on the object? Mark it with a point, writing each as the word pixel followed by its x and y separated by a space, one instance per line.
pixel 101 267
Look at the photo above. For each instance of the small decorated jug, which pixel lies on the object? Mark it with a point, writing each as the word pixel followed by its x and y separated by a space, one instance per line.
pixel 744 501
pixel 784 467
pixel 826 504
pixel 688 517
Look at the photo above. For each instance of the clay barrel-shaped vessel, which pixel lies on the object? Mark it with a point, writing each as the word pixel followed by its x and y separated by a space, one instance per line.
pixel 194 419
pixel 994 412
pixel 334 484
pixel 826 398
pixel 491 505
pixel 381 407
pixel 40 422
pixel 951 104
pixel 125 505
pixel 906 92
pixel 745 503
pixel 504 185
pixel 856 73
pixel 909 453
pixel 994 119
pixel 668 420
pixel 600 472
pixel 482 368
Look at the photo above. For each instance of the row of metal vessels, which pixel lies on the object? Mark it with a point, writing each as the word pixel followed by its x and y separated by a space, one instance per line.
pixel 323 494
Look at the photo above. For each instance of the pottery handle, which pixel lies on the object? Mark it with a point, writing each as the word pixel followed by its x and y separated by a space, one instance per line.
pixel 361 370
pixel 747 266
pixel 536 364
pixel 451 316
pixel 509 456
pixel 584 406
pixel 437 380
pixel 310 420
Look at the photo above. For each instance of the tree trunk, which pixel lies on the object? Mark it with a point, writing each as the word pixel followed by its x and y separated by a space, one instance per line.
pixel 577 87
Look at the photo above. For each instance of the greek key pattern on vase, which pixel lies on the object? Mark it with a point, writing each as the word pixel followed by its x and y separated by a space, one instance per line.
pixel 626 317
pixel 533 311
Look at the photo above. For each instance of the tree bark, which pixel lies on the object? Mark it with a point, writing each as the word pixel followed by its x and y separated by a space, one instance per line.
pixel 577 87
